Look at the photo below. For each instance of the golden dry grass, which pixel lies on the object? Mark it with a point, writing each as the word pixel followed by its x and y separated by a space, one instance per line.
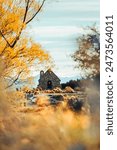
pixel 45 127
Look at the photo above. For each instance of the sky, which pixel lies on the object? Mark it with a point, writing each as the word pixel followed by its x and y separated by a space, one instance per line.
pixel 58 26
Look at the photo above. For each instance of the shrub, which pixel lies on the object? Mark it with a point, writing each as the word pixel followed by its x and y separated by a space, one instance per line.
pixel 57 90
pixel 42 101
pixel 72 83
pixel 68 89
pixel 77 89
pixel 76 104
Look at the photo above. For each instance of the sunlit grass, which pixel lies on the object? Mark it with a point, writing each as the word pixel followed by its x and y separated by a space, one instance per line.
pixel 45 127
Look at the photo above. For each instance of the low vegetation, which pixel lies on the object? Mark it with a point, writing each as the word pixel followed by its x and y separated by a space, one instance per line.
pixel 45 126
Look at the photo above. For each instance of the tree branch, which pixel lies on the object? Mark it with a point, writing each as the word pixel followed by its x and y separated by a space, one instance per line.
pixel 26 11
pixel 14 80
pixel 36 12
pixel 5 39
pixel 1 54
pixel 24 22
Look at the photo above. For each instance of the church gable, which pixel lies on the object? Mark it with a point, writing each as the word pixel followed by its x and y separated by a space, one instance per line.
pixel 50 74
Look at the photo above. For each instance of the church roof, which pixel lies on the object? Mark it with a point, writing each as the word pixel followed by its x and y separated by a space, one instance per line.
pixel 49 71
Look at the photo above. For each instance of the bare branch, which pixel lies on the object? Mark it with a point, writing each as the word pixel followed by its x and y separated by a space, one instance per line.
pixel 26 11
pixel 5 39
pixel 14 80
pixel 36 12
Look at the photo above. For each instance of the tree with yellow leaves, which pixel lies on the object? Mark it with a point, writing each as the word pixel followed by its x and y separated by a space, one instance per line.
pixel 15 15
pixel 17 52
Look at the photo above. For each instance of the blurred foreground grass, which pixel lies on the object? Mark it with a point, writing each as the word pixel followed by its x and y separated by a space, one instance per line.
pixel 48 128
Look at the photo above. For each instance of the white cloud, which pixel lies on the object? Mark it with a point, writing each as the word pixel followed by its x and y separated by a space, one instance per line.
pixel 67 72
pixel 59 31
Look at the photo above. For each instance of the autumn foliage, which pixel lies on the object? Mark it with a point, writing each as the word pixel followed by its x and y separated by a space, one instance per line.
pixel 18 52
pixel 87 55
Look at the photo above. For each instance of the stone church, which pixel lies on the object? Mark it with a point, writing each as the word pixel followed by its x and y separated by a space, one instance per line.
pixel 48 80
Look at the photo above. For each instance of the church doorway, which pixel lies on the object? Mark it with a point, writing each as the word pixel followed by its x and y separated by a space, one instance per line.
pixel 49 85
